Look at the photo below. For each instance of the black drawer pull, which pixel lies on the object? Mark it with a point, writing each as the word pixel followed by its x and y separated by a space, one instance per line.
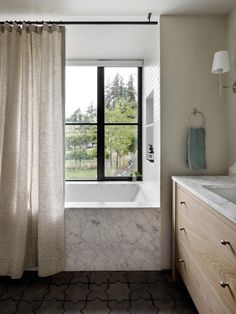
pixel 223 242
pixel 223 284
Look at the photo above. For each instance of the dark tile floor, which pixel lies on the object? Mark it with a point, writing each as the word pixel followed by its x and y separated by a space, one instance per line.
pixel 95 292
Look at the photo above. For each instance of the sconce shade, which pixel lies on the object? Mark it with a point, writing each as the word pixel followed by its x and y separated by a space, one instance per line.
pixel 221 62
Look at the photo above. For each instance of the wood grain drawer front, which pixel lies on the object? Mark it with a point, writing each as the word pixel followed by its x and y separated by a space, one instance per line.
pixel 201 232
pixel 209 227
pixel 203 295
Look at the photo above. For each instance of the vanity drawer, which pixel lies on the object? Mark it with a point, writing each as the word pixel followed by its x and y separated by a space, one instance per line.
pixel 201 232
pixel 201 219
pixel 203 295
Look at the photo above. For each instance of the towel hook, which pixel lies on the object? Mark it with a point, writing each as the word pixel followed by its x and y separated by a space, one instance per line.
pixel 193 114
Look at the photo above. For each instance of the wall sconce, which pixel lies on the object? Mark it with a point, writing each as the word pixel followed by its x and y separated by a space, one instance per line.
pixel 221 65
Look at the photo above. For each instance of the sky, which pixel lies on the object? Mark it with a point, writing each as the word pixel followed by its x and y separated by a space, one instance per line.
pixel 81 85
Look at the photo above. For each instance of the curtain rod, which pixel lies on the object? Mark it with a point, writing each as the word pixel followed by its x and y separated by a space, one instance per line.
pixel 148 22
pixel 83 22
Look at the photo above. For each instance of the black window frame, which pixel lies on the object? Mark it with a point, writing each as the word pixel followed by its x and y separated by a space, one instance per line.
pixel 101 124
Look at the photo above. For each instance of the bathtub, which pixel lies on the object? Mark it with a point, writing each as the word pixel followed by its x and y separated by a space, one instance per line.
pixel 111 226
pixel 107 194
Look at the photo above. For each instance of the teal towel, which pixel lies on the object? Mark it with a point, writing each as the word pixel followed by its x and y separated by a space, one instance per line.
pixel 196 150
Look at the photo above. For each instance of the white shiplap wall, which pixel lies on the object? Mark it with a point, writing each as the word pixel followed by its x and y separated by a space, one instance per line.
pixel 151 82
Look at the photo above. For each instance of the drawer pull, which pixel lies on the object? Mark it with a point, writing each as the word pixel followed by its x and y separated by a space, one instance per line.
pixel 181 260
pixel 181 203
pixel 223 242
pixel 223 284
pixel 182 229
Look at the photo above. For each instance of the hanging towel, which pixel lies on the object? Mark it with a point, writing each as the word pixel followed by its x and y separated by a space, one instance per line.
pixel 196 149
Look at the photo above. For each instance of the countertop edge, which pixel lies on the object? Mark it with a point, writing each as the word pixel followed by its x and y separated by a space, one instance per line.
pixel 195 185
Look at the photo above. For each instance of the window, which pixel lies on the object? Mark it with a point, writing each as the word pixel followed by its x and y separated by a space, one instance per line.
pixel 103 131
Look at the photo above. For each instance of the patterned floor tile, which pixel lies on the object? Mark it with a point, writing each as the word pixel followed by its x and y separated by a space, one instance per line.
pixel 160 291
pixel 71 308
pixel 118 291
pixel 35 292
pixel 3 288
pixel 118 276
pixel 81 277
pixel 139 291
pixel 142 307
pixel 95 293
pixel 167 307
pixel 162 276
pixel 56 293
pixel 77 292
pixel 51 308
pixel 119 308
pixel 62 278
pixel 8 307
pixel 14 291
pixel 98 292
pixel 96 307
pixel 28 307
pixel 136 277
pixel 99 277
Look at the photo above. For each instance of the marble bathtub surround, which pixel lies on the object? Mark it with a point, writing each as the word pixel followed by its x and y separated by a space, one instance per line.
pixel 112 226
pixel 198 186
pixel 113 239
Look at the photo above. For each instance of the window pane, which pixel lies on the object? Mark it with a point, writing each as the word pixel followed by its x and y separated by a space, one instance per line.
pixel 121 94
pixel 120 150
pixel 81 94
pixel 81 152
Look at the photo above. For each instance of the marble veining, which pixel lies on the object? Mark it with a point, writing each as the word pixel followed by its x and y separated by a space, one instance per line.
pixel 197 185
pixel 113 239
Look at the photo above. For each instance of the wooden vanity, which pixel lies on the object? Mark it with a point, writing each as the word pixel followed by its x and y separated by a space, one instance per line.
pixel 204 252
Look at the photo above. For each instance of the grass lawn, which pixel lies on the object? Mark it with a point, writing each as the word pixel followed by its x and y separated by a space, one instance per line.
pixel 81 174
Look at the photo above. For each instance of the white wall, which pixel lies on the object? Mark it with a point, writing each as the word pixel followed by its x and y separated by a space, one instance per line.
pixel 187 48
pixel 151 84
pixel 108 41
pixel 231 98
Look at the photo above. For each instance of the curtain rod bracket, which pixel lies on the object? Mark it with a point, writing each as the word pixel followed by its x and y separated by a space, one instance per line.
pixel 149 17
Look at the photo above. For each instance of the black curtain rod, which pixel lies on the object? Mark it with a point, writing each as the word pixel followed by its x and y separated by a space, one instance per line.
pixel 83 22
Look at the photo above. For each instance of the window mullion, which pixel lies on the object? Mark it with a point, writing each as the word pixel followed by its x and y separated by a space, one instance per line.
pixel 140 131
pixel 100 125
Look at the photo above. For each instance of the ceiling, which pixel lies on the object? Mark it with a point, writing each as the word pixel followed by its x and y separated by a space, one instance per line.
pixel 113 7
pixel 113 42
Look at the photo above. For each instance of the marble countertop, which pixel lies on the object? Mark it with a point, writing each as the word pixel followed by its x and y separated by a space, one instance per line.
pixel 197 185
pixel 115 205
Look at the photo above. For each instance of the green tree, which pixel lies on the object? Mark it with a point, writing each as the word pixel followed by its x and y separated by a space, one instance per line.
pixel 130 90
pixel 78 155
pixel 77 116
pixel 91 114
pixel 114 90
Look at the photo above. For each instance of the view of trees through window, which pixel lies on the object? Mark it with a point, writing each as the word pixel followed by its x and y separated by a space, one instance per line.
pixel 120 122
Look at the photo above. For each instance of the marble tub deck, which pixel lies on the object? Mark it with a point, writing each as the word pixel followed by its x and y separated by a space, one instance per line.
pixel 95 292
pixel 116 239
pixel 197 185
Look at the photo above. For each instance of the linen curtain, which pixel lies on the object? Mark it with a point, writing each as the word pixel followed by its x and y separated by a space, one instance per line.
pixel 31 149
